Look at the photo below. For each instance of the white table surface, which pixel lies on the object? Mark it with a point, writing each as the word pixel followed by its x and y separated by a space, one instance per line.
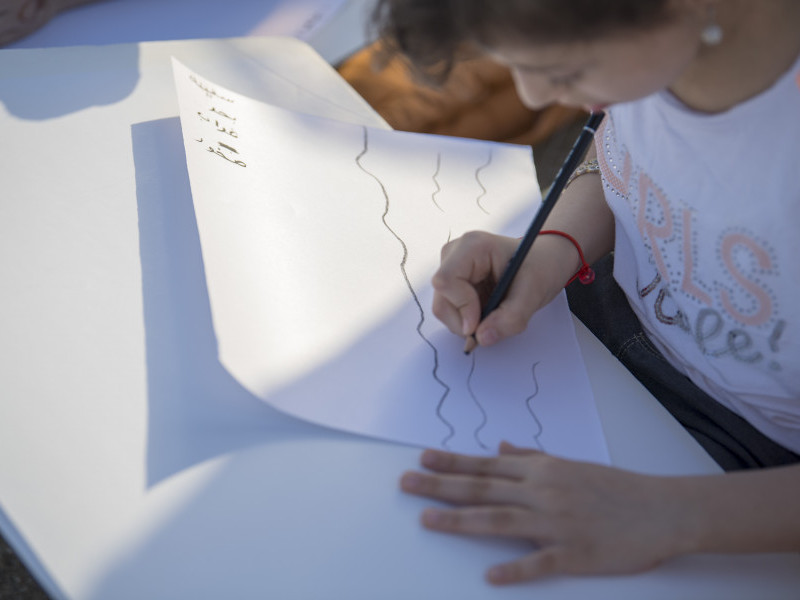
pixel 336 28
pixel 131 464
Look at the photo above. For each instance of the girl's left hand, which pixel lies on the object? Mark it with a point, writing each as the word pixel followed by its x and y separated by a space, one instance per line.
pixel 582 518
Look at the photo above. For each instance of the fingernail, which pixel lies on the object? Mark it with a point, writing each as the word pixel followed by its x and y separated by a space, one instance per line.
pixel 429 458
pixel 465 329
pixel 488 337
pixel 498 574
pixel 411 481
pixel 433 517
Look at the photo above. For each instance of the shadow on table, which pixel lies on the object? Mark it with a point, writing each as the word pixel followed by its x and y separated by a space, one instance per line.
pixel 197 411
pixel 71 80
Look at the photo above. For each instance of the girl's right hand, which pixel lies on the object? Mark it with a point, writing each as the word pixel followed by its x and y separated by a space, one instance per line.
pixel 470 268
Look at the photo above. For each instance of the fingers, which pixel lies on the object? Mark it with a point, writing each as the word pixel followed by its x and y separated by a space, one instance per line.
pixel 449 462
pixel 461 489
pixel 464 266
pixel 542 563
pixel 511 317
pixel 510 449
pixel 585 518
pixel 468 270
pixel 508 521
pixel 457 306
pixel 551 557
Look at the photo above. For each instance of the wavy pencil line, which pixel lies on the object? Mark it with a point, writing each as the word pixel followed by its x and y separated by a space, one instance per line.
pixel 474 396
pixel 529 405
pixel 436 181
pixel 480 183
pixel 404 272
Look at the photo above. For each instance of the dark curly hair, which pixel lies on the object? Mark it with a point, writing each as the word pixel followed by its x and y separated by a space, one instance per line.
pixel 434 34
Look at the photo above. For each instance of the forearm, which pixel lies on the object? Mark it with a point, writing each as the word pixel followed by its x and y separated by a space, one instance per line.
pixel 583 213
pixel 747 511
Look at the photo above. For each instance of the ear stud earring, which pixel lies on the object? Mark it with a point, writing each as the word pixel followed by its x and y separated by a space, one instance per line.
pixel 712 32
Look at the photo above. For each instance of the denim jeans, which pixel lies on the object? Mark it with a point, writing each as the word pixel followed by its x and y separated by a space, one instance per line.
pixel 730 440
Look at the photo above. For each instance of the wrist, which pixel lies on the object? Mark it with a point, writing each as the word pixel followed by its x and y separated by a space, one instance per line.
pixel 745 511
pixel 558 259
pixel 679 525
pixel 584 274
pixel 688 523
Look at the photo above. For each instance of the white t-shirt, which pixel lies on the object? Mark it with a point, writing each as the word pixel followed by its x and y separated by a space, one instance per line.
pixel 707 249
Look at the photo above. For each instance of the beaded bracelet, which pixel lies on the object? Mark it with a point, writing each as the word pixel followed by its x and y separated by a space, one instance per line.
pixel 585 274
pixel 590 166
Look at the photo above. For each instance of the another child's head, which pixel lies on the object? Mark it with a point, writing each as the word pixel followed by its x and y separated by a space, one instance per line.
pixel 578 52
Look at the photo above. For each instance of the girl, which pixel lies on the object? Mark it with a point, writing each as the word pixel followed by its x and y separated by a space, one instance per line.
pixel 691 196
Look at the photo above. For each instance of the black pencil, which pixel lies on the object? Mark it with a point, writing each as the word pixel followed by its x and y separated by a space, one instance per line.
pixel 570 164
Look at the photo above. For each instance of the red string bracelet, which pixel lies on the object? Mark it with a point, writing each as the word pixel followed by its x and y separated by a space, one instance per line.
pixel 585 274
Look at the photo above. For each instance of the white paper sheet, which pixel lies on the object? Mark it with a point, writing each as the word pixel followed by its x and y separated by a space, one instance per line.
pixel 319 239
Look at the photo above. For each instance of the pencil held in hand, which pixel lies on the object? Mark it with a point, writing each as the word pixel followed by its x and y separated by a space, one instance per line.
pixel 570 164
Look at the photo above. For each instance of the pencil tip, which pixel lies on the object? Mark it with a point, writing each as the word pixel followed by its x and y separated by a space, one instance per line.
pixel 470 345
